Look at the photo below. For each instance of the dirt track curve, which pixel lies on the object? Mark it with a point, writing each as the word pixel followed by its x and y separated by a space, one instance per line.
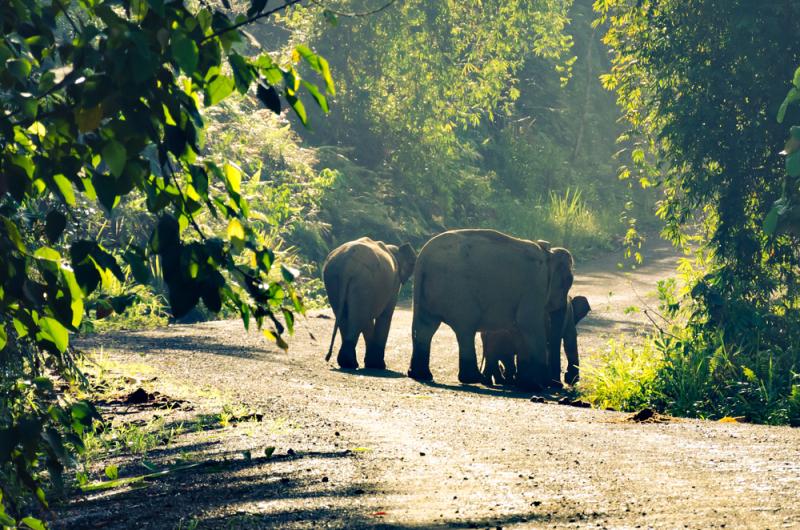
pixel 376 449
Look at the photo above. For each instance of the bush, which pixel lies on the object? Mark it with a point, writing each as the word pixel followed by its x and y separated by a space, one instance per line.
pixel 624 377
pixel 564 220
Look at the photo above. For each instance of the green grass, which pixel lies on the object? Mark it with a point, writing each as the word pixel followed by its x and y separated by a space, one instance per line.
pixel 565 220
pixel 624 377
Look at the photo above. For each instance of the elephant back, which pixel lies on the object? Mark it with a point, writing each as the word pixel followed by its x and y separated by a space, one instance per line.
pixel 479 268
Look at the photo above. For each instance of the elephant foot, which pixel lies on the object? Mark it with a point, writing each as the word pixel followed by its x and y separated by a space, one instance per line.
pixel 529 386
pixel 375 364
pixel 347 362
pixel 555 384
pixel 572 376
pixel 486 380
pixel 469 377
pixel 420 375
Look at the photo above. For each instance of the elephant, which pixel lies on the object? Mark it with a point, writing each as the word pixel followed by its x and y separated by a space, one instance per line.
pixel 499 347
pixel 362 279
pixel 483 280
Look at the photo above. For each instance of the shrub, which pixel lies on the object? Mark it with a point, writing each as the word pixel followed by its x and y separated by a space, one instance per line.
pixel 624 377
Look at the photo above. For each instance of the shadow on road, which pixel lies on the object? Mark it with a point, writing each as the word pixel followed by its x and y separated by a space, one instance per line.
pixel 371 372
pixel 509 392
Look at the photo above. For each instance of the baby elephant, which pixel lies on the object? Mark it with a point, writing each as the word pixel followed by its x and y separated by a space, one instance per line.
pixel 362 279
pixel 499 347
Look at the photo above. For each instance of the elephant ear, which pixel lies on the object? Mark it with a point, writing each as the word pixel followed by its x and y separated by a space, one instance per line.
pixel 580 308
pixel 406 259
pixel 561 277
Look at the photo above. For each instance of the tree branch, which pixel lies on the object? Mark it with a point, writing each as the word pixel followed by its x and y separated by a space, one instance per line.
pixel 250 20
pixel 358 14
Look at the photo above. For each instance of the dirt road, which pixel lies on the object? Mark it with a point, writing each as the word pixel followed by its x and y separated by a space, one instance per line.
pixel 376 449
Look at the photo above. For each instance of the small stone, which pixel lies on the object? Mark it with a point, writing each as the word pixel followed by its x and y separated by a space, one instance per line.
pixel 325 479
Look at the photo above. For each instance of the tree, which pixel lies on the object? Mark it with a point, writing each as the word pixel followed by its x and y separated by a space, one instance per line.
pixel 700 83
pixel 102 100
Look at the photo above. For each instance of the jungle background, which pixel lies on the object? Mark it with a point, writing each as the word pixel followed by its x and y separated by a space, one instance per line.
pixel 160 166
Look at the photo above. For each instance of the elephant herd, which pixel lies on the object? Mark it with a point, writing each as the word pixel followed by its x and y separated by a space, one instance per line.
pixel 513 291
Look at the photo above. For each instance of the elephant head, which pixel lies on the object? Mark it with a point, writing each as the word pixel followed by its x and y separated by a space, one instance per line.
pixel 406 258
pixel 580 308
pixel 561 276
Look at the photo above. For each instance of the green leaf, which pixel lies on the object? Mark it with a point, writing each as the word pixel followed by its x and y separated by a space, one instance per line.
pixel 771 221
pixel 55 332
pixel 47 253
pixel 793 95
pixel 243 73
pixel 218 89
pixel 316 94
pixel 139 9
pixel 297 106
pixel 75 293
pixel 326 75
pixel 269 97
pixel 796 80
pixel 19 68
pixel 233 176
pixel 65 187
pixel 793 164
pixel 112 471
pixel 3 337
pixel 289 273
pixel 115 156
pixel 34 524
pixel 185 52
pixel 235 230
pixel 6 520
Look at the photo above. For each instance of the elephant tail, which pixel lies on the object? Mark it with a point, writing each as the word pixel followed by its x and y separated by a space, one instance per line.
pixel 337 313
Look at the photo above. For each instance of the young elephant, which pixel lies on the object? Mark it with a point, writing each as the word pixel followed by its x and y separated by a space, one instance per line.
pixel 480 280
pixel 362 279
pixel 499 346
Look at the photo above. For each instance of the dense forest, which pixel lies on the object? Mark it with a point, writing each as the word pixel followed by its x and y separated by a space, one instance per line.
pixel 184 161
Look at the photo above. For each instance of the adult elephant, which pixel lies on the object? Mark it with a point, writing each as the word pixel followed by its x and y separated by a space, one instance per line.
pixel 362 279
pixel 499 346
pixel 484 280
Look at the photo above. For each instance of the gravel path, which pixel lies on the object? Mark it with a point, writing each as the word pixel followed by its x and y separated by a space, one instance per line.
pixel 377 449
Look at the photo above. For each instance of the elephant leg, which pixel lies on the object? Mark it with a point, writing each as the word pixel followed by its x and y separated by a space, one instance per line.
pixel 347 353
pixel 508 374
pixel 423 328
pixel 490 368
pixel 532 356
pixel 468 372
pixel 350 328
pixel 573 359
pixel 554 336
pixel 376 348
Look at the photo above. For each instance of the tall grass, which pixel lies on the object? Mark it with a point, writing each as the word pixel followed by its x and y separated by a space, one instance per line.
pixel 565 219
pixel 624 377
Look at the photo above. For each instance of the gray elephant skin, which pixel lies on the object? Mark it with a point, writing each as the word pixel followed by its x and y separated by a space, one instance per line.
pixel 499 346
pixel 362 279
pixel 484 280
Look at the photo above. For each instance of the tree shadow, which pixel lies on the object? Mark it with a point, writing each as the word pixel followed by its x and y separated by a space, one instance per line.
pixel 348 517
pixel 177 344
pixel 211 487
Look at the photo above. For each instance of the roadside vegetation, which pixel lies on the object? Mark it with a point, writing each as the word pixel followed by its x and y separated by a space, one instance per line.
pixel 727 340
